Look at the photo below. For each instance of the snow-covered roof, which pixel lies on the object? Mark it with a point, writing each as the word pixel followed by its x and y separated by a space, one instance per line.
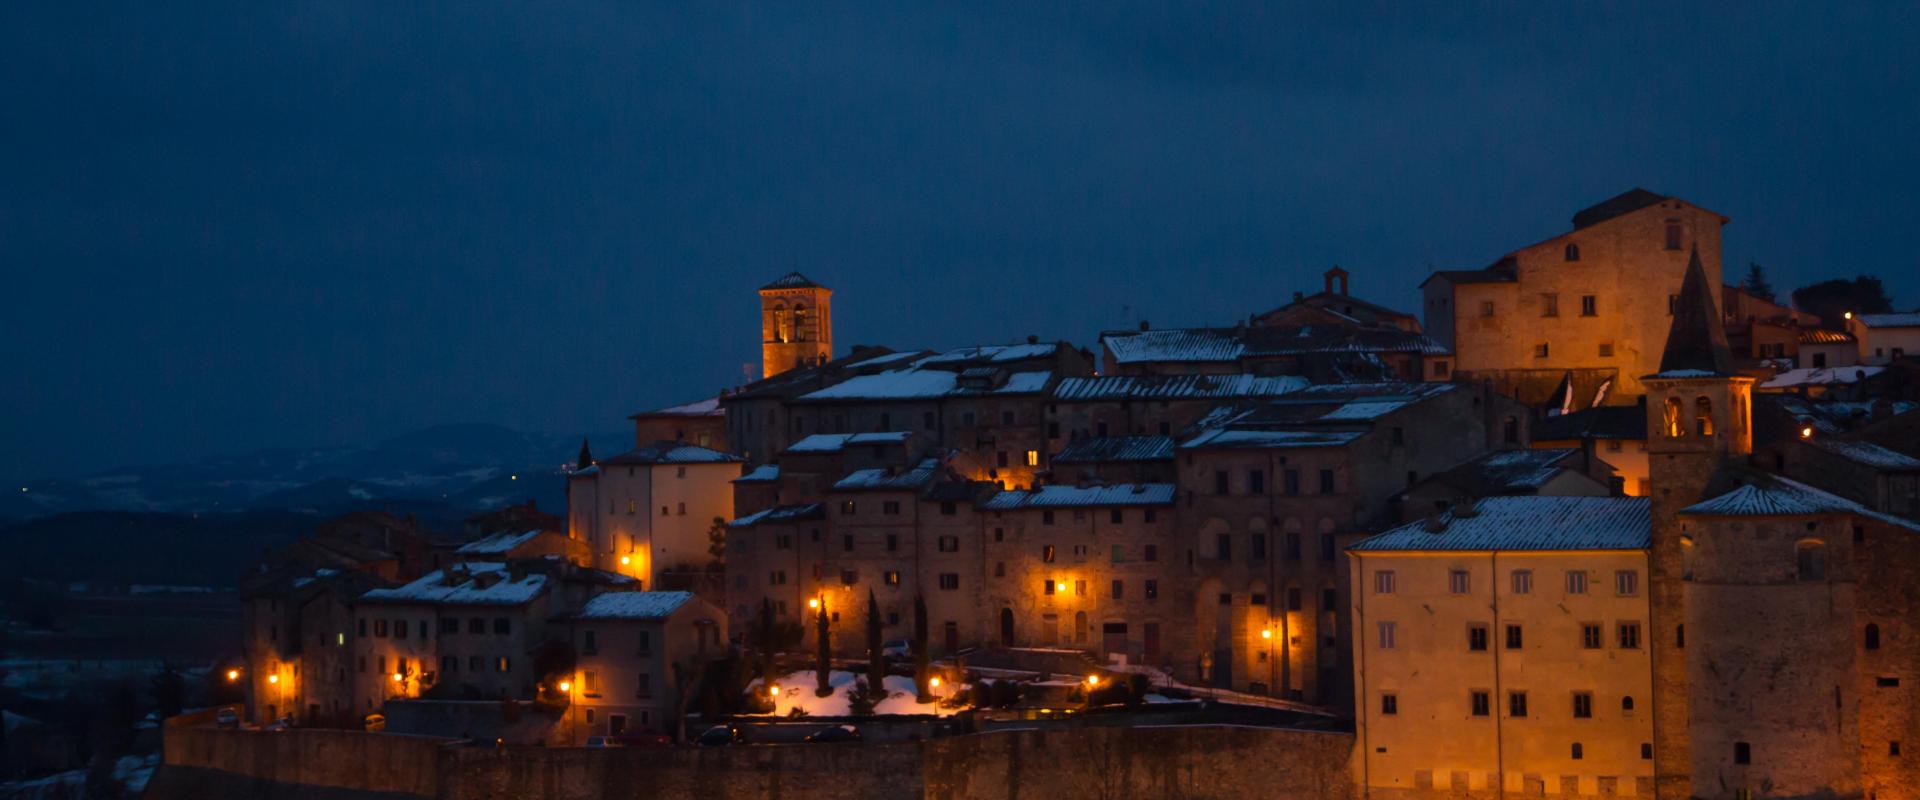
pixel 1508 471
pixel 1820 376
pixel 709 407
pixel 899 384
pixel 1060 496
pixel 1909 319
pixel 888 478
pixel 433 588
pixel 1100 449
pixel 835 442
pixel 788 513
pixel 765 473
pixel 1176 387
pixel 1262 439
pixel 633 605
pixel 1527 523
pixel 993 353
pixel 1784 497
pixel 498 544
pixel 1218 345
pixel 1867 453
pixel 1017 383
pixel 664 452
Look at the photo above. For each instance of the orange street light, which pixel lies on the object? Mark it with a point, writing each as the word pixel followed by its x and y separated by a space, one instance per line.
pixel 1266 633
pixel 566 686
pixel 1093 680
pixel 625 560
pixel 773 690
pixel 397 677
pixel 1806 431
pixel 273 679
pixel 933 682
pixel 813 602
pixel 233 675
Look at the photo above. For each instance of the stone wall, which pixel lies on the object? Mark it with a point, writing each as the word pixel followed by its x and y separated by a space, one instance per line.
pixel 1199 761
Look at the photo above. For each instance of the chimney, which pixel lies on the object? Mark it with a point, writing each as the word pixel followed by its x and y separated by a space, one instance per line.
pixel 1032 339
pixel 1436 523
pixel 1145 325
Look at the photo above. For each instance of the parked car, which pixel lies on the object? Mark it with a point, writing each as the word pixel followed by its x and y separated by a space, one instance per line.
pixel 834 733
pixel 719 736
pixel 605 741
pixel 896 648
pixel 227 718
pixel 375 722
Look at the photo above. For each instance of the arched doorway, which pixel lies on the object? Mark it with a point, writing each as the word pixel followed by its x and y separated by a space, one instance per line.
pixel 1006 627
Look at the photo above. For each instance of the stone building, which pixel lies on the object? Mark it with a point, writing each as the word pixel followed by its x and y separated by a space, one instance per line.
pixel 1565 472
pixel 1334 305
pixel 1885 338
pixel 297 626
pixel 1614 435
pixel 635 653
pixel 796 324
pixel 702 423
pixel 1587 306
pixel 1333 351
pixel 1503 648
pixel 651 510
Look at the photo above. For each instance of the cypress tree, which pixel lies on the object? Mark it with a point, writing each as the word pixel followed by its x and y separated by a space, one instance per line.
pixel 876 657
pixel 920 676
pixel 823 665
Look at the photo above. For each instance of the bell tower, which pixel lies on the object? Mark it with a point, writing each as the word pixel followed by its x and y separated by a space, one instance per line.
pixel 1698 417
pixel 796 324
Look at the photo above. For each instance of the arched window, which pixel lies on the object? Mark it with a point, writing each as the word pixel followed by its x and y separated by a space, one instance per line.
pixel 1873 636
pixel 1626 703
pixel 802 325
pixel 1573 252
pixel 782 324
pixel 1703 416
pixel 1675 429
pixel 1810 560
pixel 1006 627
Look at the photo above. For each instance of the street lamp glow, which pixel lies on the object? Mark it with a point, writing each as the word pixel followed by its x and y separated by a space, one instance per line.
pixel 273 679
pixel 1806 432
pixel 933 682
pixel 1266 633
pixel 397 677
pixel 566 686
pixel 625 560
pixel 1093 680
pixel 773 690
pixel 813 602
pixel 233 675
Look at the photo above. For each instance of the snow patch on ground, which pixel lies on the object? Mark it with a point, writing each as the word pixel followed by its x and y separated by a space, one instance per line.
pixel 797 691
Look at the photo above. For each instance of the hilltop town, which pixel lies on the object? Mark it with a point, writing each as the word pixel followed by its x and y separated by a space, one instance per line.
pixel 1598 519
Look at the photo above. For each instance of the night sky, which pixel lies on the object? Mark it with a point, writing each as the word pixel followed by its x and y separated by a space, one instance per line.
pixel 264 224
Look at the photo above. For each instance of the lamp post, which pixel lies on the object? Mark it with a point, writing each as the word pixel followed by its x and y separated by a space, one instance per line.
pixel 1272 669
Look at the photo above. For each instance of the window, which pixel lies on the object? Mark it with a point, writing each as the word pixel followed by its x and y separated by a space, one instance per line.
pixel 1326 481
pixel 1146 515
pixel 1119 590
pixel 1383 582
pixel 501 664
pixel 1589 306
pixel 1389 704
pixel 1477 638
pixel 1703 416
pixel 1516 704
pixel 1626 582
pixel 1150 553
pixel 1046 517
pixel 892 577
pixel 643 685
pixel 1153 589
pixel 1629 635
pixel 890 507
pixel 1220 481
pixel 588 643
pixel 1673 235
pixel 1387 630
pixel 848 507
pixel 1540 350
pixel 380 628
pixel 1742 753
pixel 1256 481
pixel 949 544
pixel 1573 252
pixel 1290 482
pixel 1885 682
pixel 927 421
pixel 848 577
pixel 1583 705
pixel 1810 561
pixel 449 626
pixel 1293 598
pixel 846 542
pixel 476 625
pixel 1646 751
pixel 1459 581
pixel 1514 637
pixel 1481 701
pixel 590 683
pixel 949 509
pixel 1223 546
pixel 1047 587
pixel 1578 751
pixel 1872 636
pixel 999 569
pixel 1440 369
pixel 1033 458
pixel 1326 547
pixel 646 640
pixel 1116 516
pixel 949 580
pixel 1258 546
pixel 399 629
pixel 1576 582
pixel 893 542
pixel 1046 554
pixel 1606 349
pixel 1000 459
pixel 1523 581
pixel 1486 308
pixel 1590 635
pixel 1549 304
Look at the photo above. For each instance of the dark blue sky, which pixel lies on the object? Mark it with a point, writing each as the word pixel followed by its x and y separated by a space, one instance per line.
pixel 233 226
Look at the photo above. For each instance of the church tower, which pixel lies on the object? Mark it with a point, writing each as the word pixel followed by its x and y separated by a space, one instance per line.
pixel 1698 418
pixel 796 324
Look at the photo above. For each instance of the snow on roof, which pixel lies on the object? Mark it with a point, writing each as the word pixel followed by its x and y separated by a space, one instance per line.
pixel 835 442
pixel 1025 383
pixel 498 544
pixel 633 605
pixel 900 384
pixel 993 353
pixel 664 452
pixel 1214 345
pixel 765 473
pixel 1867 453
pixel 889 478
pixel 1786 497
pixel 1061 496
pixel 1368 409
pixel 787 513
pixel 1821 376
pixel 1906 320
pixel 434 589
pixel 1101 449
pixel 1508 471
pixel 1260 439
pixel 1686 373
pixel 709 407
pixel 1527 523
pixel 1173 387
pixel 886 358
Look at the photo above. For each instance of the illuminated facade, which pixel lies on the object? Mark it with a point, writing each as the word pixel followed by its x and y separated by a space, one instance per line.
pixel 651 510
pixel 796 324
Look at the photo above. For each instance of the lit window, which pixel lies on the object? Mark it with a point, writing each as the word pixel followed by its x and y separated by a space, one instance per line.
pixel 1033 458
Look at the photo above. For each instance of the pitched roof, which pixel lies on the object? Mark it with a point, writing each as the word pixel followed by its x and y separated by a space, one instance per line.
pixel 1531 523
pixel 1907 320
pixel 1774 496
pixel 765 473
pixel 665 452
pixel 1176 387
pixel 792 280
pixel 1820 376
pixel 633 605
pixel 1230 438
pixel 1620 204
pixel 922 384
pixel 709 407
pixel 888 478
pixel 1866 453
pixel 1105 449
pixel 1503 472
pixel 498 544
pixel 1696 341
pixel 1821 336
pixel 786 513
pixel 435 588
pixel 1219 345
pixel 1492 274
pixel 836 442
pixel 1061 496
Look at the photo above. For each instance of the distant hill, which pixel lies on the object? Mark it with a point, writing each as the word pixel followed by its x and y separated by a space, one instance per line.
pixel 139 547
pixel 449 468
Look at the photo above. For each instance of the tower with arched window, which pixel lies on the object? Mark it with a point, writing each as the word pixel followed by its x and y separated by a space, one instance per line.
pixel 796 324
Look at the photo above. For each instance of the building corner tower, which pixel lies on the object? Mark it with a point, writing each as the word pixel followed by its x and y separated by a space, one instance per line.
pixel 796 324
